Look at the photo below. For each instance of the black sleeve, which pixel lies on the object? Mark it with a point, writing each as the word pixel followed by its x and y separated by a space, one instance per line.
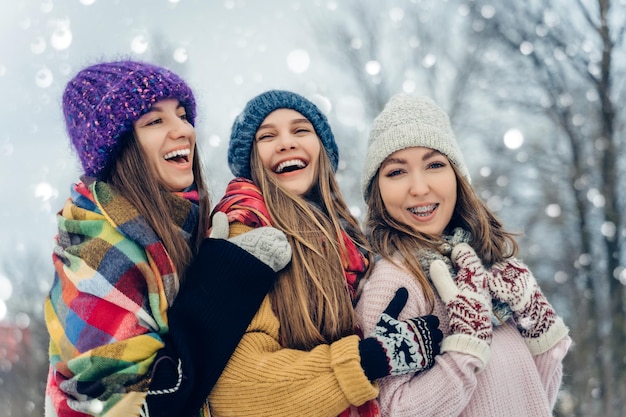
pixel 222 291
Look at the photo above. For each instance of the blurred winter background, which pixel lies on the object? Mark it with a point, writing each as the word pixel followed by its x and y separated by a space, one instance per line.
pixel 535 91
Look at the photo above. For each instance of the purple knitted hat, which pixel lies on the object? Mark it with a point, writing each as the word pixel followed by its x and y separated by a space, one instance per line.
pixel 102 102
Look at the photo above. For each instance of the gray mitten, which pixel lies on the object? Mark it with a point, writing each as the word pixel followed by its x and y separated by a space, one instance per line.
pixel 267 244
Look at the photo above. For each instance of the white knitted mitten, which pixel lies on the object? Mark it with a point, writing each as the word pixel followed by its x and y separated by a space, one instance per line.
pixel 468 303
pixel 539 324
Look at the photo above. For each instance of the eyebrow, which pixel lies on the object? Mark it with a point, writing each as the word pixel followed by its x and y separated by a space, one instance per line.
pixel 157 107
pixel 425 157
pixel 293 122
pixel 430 154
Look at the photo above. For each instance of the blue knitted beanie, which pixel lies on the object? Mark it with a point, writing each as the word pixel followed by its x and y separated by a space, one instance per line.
pixel 256 110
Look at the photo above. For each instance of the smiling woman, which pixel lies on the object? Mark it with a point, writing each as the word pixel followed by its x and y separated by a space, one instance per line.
pixel 138 294
pixel 286 144
pixel 168 140
pixel 303 353
pixel 504 344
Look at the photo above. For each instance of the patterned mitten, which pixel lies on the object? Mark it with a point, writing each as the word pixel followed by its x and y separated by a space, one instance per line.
pixel 468 303
pixel 399 347
pixel 514 284
pixel 267 244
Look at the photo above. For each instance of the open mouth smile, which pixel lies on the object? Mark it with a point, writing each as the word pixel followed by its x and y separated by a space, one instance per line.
pixel 423 211
pixel 179 156
pixel 290 166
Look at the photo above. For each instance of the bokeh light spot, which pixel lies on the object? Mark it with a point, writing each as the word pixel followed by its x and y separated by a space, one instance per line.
pixel 513 139
pixel 6 288
pixel 180 55
pixel 298 61
pixel 44 78
pixel 139 44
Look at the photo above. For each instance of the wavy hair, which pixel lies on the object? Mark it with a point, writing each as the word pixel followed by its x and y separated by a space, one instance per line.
pixel 388 237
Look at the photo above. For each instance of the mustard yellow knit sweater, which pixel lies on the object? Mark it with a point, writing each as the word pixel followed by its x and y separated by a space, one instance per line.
pixel 264 379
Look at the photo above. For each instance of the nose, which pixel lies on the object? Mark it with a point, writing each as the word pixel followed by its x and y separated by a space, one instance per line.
pixel 419 186
pixel 286 142
pixel 181 128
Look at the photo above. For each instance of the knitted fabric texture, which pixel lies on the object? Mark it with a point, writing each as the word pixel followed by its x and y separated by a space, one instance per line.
pixel 102 102
pixel 513 384
pixel 247 123
pixel 108 263
pixel 244 203
pixel 501 311
pixel 406 122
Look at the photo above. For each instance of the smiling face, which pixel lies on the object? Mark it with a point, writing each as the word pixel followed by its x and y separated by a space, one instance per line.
pixel 168 141
pixel 418 188
pixel 288 146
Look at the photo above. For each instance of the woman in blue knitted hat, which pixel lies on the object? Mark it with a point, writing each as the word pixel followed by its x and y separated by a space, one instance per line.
pixel 136 323
pixel 504 344
pixel 303 354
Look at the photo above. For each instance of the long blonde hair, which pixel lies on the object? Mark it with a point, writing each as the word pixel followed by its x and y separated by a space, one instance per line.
pixel 388 237
pixel 131 177
pixel 310 298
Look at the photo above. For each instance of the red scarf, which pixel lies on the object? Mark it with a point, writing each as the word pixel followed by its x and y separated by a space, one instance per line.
pixel 243 202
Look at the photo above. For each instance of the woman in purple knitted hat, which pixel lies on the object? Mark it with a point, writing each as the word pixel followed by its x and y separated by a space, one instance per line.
pixel 137 307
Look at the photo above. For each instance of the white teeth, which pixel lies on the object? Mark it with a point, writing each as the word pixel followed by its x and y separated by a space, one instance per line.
pixel 297 163
pixel 423 209
pixel 179 152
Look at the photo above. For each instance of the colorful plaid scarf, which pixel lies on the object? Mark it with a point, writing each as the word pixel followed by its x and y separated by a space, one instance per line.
pixel 244 203
pixel 107 308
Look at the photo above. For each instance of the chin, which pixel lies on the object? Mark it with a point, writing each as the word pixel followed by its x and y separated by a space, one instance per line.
pixel 179 186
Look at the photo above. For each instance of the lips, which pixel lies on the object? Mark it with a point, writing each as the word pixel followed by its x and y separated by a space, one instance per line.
pixel 423 211
pixel 178 155
pixel 290 165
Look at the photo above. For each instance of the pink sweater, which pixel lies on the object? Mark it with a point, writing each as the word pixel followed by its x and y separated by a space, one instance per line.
pixel 514 383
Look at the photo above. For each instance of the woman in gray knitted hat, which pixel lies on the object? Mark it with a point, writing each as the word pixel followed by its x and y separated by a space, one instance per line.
pixel 302 354
pixel 503 343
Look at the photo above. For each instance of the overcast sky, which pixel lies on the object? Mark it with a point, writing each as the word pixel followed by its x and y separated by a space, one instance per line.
pixel 228 50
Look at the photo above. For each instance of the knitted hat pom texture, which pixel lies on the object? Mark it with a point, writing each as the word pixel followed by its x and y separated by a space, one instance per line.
pixel 102 101
pixel 406 122
pixel 256 110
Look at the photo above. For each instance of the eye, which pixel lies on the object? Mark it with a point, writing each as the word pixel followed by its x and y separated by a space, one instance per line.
pixel 264 136
pixel 153 122
pixel 183 116
pixel 436 164
pixel 394 172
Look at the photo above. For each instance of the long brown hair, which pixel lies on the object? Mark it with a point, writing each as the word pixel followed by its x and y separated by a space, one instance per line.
pixel 388 237
pixel 135 180
pixel 310 297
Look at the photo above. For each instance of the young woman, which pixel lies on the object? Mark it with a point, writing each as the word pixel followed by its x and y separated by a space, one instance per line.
pixel 503 343
pixel 131 332
pixel 302 355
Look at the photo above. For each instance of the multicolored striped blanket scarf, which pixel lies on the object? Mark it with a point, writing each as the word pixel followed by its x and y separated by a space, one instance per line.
pixel 106 310
pixel 244 203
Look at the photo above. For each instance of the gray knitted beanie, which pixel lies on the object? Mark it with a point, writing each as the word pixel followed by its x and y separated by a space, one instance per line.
pixel 256 110
pixel 406 122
